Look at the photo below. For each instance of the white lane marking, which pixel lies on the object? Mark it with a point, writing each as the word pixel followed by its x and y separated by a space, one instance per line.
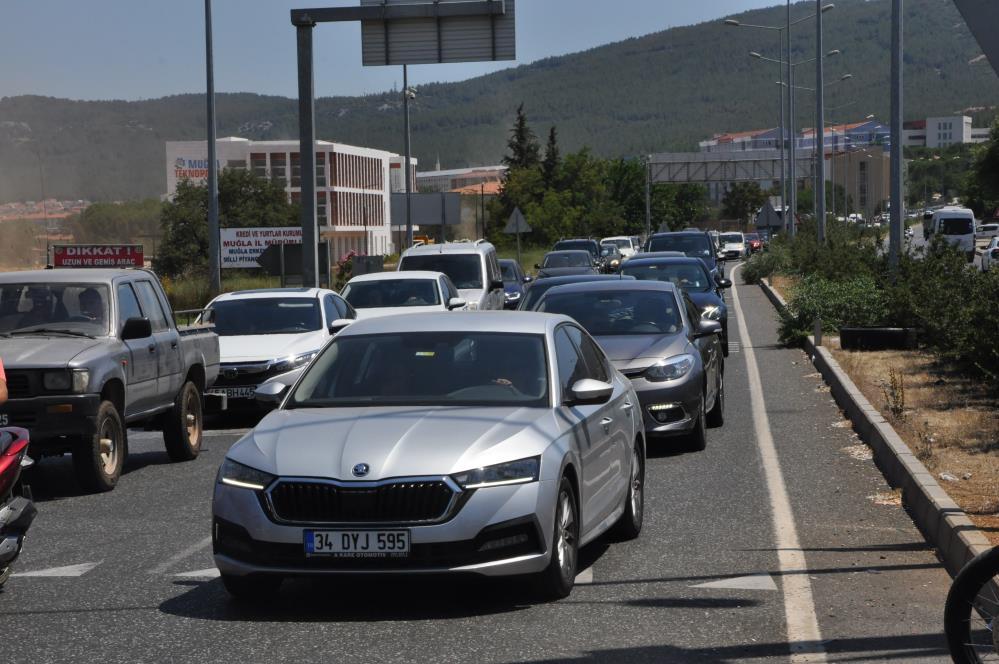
pixel 803 633
pixel 585 577
pixel 186 553
pixel 751 582
pixel 210 573
pixel 67 571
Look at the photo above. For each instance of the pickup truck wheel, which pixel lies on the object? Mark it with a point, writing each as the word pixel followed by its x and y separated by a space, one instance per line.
pixel 98 460
pixel 184 424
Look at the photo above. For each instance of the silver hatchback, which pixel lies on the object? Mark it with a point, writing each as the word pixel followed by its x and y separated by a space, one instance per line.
pixel 486 443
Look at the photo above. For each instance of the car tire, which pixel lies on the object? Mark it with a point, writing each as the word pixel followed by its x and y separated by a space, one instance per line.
pixel 557 580
pixel 252 588
pixel 716 416
pixel 99 459
pixel 697 439
pixel 629 526
pixel 184 425
pixel 4 575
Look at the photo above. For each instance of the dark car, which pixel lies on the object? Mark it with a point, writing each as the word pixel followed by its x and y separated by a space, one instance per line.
pixel 654 334
pixel 583 244
pixel 690 275
pixel 696 244
pixel 611 256
pixel 563 263
pixel 514 282
pixel 541 286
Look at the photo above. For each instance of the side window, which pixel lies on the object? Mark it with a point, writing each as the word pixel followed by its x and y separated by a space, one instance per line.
pixel 596 363
pixel 445 291
pixel 343 308
pixel 128 305
pixel 330 309
pixel 693 313
pixel 571 367
pixel 151 305
pixel 493 271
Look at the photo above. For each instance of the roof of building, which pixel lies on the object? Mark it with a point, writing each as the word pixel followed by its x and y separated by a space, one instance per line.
pixel 489 188
pixel 460 171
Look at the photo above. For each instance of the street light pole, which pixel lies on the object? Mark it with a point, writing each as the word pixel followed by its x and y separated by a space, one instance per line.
pixel 214 255
pixel 780 146
pixel 820 146
pixel 897 211
pixel 648 197
pixel 406 167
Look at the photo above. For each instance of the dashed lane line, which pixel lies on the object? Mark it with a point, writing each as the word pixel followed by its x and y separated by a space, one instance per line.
pixel 60 572
pixel 181 555
pixel 803 633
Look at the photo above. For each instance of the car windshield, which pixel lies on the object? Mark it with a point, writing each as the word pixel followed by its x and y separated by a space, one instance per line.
pixel 428 369
pixel 567 259
pixel 617 313
pixel 689 276
pixel 73 309
pixel 956 226
pixel 609 250
pixel 392 293
pixel 266 315
pixel 589 246
pixel 752 236
pixel 734 238
pixel 697 246
pixel 465 270
pixel 508 271
pixel 621 244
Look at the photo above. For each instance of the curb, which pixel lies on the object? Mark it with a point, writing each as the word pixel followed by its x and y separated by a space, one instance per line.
pixel 941 520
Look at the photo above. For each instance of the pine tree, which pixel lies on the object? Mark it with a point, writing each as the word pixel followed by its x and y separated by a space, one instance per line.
pixel 552 161
pixel 523 144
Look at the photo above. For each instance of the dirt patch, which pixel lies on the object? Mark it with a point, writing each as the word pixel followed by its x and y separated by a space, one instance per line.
pixel 783 285
pixel 949 420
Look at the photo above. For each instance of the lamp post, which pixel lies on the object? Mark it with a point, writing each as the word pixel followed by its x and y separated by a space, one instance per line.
pixel 407 94
pixel 897 204
pixel 214 255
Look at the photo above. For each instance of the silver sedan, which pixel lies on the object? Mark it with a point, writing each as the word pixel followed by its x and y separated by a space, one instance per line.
pixel 488 443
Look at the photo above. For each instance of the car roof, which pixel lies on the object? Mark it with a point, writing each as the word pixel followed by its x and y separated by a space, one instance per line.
pixel 551 282
pixel 663 260
pixel 477 247
pixel 396 276
pixel 623 285
pixel 459 321
pixel 568 251
pixel 618 237
pixel 690 232
pixel 263 293
pixel 71 275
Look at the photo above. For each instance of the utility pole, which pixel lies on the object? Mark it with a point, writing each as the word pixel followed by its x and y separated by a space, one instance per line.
pixel 407 171
pixel 792 151
pixel 648 197
pixel 214 255
pixel 820 125
pixel 782 139
pixel 897 204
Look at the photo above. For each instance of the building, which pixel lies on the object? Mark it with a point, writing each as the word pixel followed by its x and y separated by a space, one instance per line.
pixel 462 178
pixel 942 132
pixel 353 184
pixel 865 176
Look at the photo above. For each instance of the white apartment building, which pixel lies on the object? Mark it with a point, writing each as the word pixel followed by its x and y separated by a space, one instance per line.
pixel 353 184
pixel 943 131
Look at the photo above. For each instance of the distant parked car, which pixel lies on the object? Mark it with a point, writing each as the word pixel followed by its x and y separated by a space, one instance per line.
pixel 393 293
pixel 754 243
pixel 733 245
pixel 626 245
pixel 563 263
pixel 515 282
pixel 990 256
pixel 989 230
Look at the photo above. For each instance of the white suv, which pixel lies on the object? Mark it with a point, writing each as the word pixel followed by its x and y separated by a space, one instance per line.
pixel 472 266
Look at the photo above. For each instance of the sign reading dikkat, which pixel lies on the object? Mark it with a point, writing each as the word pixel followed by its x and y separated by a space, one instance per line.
pixel 241 247
pixel 98 255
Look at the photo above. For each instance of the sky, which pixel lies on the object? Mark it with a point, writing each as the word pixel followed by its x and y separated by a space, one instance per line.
pixel 143 49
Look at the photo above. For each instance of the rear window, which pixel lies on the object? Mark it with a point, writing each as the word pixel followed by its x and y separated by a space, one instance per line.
pixel 956 226
pixel 734 238
pixel 697 246
pixel 392 293
pixel 465 270
pixel 588 246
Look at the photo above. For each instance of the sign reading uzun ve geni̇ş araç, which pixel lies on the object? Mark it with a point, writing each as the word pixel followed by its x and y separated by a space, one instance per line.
pixel 98 255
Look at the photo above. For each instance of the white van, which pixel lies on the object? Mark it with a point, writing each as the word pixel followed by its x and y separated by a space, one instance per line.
pixel 472 266
pixel 957 226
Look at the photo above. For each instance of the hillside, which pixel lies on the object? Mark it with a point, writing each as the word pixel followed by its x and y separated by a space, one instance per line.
pixel 659 92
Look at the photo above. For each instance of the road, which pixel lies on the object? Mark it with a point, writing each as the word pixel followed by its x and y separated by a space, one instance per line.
pixel 779 522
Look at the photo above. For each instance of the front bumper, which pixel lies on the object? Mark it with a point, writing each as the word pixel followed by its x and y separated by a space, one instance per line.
pixel 52 420
pixel 676 403
pixel 246 540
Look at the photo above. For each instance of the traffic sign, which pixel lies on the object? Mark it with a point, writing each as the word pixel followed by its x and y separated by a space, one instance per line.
pixel 517 223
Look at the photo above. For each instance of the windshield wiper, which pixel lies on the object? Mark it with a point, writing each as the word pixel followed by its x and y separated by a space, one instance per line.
pixel 49 330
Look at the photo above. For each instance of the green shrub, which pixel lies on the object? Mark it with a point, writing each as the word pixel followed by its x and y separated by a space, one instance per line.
pixel 859 301
pixel 765 264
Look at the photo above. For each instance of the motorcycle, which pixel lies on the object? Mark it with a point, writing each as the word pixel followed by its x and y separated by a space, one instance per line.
pixel 16 511
pixel 971 614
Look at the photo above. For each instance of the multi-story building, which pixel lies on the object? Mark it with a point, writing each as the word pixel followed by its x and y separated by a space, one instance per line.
pixel 353 184
pixel 942 132
pixel 444 181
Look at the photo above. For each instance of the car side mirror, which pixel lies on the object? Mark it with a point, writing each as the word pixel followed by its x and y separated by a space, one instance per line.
pixel 589 391
pixel 339 324
pixel 496 284
pixel 270 393
pixel 528 280
pixel 705 328
pixel 720 256
pixel 537 266
pixel 724 283
pixel 136 328
pixel 456 303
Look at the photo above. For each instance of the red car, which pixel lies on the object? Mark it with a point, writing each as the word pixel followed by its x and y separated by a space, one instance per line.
pixel 754 242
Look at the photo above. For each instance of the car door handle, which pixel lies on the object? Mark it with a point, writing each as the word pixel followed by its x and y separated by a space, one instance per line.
pixel 152 348
pixel 173 344
pixel 626 406
pixel 606 423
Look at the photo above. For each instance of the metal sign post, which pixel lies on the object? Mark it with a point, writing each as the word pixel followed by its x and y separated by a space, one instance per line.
pixel 214 256
pixel 394 32
pixel 516 226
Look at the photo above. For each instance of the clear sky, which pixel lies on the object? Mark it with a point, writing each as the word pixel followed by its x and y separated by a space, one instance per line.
pixel 140 49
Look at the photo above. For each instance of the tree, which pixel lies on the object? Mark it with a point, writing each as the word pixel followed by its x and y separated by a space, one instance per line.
pixel 130 222
pixel 981 185
pixel 552 160
pixel 742 200
pixel 524 151
pixel 244 200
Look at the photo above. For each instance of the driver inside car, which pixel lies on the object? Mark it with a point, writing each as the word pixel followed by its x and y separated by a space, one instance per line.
pixel 91 305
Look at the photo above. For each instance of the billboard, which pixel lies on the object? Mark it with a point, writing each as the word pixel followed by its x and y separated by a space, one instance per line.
pixel 441 209
pixel 98 255
pixel 241 247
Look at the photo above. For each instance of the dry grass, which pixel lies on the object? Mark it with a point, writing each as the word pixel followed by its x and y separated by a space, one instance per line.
pixel 950 421
pixel 783 284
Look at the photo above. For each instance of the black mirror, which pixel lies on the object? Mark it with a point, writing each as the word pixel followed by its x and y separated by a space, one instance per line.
pixel 537 266
pixel 724 283
pixel 496 284
pixel 705 328
pixel 136 328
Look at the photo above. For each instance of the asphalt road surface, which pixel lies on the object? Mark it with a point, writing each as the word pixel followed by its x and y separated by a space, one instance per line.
pixel 779 542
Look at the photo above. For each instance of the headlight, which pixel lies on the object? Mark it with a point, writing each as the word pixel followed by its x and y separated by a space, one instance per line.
pixel 236 474
pixel 615 263
pixel 294 361
pixel 512 297
pixel 57 381
pixel 513 472
pixel 672 368
pixel 712 313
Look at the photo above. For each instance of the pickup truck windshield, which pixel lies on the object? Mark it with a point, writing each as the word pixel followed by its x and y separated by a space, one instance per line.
pixel 257 316
pixel 465 270
pixel 393 293
pixel 427 369
pixel 73 309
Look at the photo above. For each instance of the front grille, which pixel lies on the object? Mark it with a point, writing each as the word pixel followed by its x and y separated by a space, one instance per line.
pixel 400 502
pixel 245 375
pixel 19 385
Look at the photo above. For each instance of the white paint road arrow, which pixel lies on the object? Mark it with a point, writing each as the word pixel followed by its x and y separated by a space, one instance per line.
pixel 752 582
pixel 210 573
pixel 67 571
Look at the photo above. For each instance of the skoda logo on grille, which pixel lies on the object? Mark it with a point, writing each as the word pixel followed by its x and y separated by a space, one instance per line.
pixel 360 470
